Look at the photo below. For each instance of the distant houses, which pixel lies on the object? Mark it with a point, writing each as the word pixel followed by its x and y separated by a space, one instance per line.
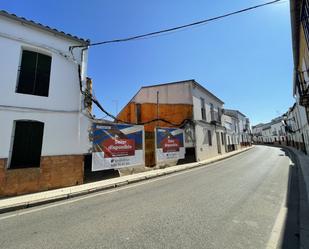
pixel 272 132
pixel 292 128
pixel 288 129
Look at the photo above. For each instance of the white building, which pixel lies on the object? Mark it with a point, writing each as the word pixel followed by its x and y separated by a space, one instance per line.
pixel 230 122
pixel 297 128
pixel 257 133
pixel 243 129
pixel 210 134
pixel 278 133
pixel 44 123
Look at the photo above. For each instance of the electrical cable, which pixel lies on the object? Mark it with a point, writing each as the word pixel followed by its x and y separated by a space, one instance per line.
pixel 177 28
pixel 96 102
pixel 151 35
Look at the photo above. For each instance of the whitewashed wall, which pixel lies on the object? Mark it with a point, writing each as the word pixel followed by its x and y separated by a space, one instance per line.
pixel 66 129
pixel 203 149
pixel 277 129
pixel 197 94
pixel 230 124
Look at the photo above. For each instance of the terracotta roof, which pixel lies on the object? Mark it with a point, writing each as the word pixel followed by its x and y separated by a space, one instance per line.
pixel 44 27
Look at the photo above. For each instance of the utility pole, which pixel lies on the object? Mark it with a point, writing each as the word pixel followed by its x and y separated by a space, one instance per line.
pixel 157 107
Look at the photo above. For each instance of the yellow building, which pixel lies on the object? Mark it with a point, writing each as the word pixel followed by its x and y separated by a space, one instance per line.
pixel 300 38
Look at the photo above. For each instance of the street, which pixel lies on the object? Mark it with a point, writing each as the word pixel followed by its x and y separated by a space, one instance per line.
pixel 233 203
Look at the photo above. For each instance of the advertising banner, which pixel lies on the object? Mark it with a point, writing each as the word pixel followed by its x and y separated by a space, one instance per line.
pixel 117 146
pixel 169 144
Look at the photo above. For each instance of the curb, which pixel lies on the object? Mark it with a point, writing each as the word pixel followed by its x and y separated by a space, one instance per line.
pixel 303 216
pixel 30 200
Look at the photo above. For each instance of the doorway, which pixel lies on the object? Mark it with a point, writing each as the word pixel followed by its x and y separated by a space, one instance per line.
pixel 218 142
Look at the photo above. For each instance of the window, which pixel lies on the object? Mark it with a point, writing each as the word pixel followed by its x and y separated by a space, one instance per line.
pixel 138 113
pixel 209 138
pixel 219 114
pixel 222 138
pixel 27 144
pixel 205 136
pixel 34 74
pixel 305 20
pixel 212 112
pixel 203 110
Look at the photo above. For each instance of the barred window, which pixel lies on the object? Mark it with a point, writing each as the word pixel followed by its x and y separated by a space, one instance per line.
pixel 203 110
pixel 305 18
pixel 212 112
pixel 209 138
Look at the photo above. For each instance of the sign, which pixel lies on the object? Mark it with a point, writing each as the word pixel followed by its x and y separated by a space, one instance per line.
pixel 169 144
pixel 117 146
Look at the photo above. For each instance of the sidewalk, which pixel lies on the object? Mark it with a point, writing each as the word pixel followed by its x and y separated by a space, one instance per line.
pixel 30 200
pixel 302 161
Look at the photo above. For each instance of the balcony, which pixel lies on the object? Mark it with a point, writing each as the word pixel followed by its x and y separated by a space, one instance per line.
pixel 215 118
pixel 303 88
pixel 304 99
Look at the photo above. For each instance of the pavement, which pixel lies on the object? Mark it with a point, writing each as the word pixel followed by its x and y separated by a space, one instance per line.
pixel 302 160
pixel 234 203
pixel 30 200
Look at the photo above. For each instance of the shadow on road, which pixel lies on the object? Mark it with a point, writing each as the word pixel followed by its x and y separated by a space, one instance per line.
pixel 290 238
pixel 291 231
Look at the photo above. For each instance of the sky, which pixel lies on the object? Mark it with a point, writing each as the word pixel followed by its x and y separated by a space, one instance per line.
pixel 245 60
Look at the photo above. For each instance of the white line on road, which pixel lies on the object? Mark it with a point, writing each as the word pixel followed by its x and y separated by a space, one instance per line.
pixel 275 235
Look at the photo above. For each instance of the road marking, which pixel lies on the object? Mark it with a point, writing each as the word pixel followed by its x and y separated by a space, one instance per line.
pixel 276 232
pixel 275 236
pixel 133 185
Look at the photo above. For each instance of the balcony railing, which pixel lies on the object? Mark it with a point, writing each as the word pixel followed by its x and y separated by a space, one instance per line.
pixel 303 89
pixel 301 81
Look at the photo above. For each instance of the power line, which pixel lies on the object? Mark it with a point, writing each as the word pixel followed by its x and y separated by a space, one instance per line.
pixel 169 30
pixel 97 103
pixel 155 34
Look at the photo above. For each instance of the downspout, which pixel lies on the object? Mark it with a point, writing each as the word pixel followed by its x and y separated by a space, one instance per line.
pixel 81 78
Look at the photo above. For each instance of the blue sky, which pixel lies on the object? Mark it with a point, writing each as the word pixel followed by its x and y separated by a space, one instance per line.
pixel 246 60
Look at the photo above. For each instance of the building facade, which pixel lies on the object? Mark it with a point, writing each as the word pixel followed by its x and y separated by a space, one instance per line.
pixel 44 120
pixel 300 39
pixel 242 128
pixel 230 122
pixel 185 104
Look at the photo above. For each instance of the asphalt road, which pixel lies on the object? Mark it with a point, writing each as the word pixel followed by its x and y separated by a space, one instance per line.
pixel 230 204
